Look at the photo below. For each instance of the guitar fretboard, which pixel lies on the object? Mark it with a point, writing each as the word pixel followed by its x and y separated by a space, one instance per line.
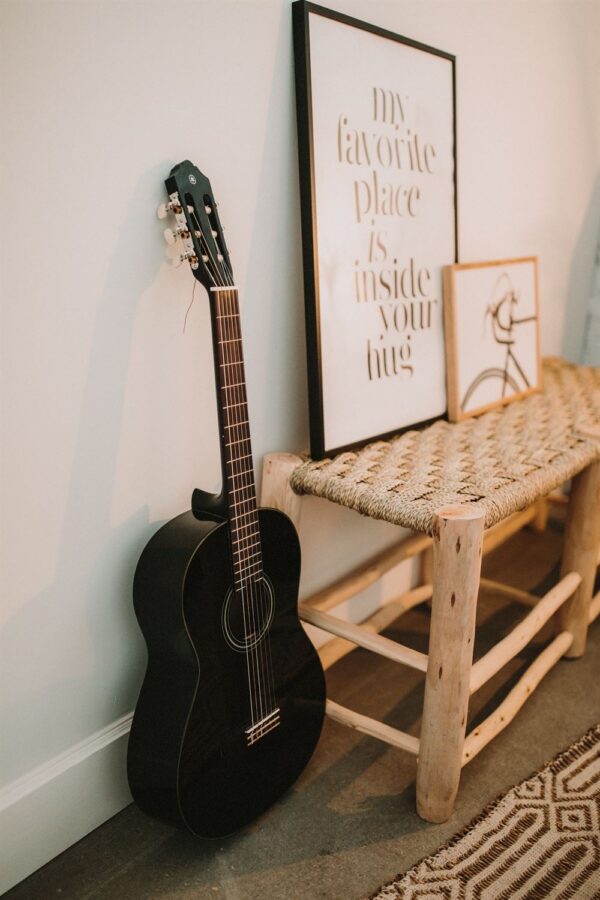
pixel 237 449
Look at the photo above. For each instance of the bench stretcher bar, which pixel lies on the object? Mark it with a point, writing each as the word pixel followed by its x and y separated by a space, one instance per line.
pixel 477 739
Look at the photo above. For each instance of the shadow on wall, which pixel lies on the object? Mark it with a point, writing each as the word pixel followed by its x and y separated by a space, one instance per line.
pixel 81 663
pixel 274 283
pixel 591 338
pixel 581 336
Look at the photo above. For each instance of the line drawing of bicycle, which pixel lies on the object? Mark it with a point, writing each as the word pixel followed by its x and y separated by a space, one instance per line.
pixel 502 310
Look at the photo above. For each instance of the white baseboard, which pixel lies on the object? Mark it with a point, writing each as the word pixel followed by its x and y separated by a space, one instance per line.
pixel 56 804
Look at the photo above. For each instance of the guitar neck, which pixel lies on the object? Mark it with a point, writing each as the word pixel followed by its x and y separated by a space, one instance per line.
pixel 236 448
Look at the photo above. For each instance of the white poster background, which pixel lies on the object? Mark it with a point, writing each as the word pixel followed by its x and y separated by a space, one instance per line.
pixel 477 292
pixel 347 64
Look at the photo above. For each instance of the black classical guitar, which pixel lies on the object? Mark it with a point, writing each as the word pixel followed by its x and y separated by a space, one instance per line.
pixel 233 699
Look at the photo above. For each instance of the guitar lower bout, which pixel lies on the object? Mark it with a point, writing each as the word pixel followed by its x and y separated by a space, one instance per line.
pixel 231 708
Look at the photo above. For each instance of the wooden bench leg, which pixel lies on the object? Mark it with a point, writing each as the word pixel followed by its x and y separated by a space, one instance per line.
pixel 541 517
pixel 457 550
pixel 275 490
pixel 580 554
pixel 426 566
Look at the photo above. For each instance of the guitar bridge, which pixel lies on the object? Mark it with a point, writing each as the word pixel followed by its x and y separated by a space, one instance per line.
pixel 258 730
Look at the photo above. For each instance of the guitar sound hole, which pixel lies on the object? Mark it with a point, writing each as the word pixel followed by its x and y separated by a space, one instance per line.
pixel 246 623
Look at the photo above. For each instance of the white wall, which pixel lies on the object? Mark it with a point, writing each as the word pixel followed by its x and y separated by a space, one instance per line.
pixel 588 22
pixel 108 415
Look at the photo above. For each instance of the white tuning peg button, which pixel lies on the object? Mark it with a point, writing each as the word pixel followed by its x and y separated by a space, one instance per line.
pixel 169 237
pixel 163 211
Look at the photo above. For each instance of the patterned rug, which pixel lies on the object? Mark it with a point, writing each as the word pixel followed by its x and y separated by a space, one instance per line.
pixel 540 841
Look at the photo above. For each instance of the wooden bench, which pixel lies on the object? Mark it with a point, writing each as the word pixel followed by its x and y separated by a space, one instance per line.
pixel 461 489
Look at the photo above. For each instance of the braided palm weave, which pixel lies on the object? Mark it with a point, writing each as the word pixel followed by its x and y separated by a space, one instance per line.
pixel 500 462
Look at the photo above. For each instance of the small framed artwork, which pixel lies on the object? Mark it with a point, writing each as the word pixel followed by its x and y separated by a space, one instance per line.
pixel 492 330
pixel 377 155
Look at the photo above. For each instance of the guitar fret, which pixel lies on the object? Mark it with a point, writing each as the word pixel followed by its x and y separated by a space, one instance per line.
pixel 241 441
pixel 243 515
pixel 231 462
pixel 244 572
pixel 242 551
pixel 252 530
pixel 240 474
pixel 252 570
pixel 237 492
pixel 245 532
pixel 237 424
pixel 241 502
pixel 237 498
pixel 247 559
pixel 239 540
pixel 232 405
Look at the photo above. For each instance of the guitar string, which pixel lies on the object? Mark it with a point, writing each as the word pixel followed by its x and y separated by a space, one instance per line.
pixel 253 575
pixel 266 598
pixel 255 581
pixel 263 598
pixel 215 275
pixel 238 531
pixel 258 592
pixel 244 530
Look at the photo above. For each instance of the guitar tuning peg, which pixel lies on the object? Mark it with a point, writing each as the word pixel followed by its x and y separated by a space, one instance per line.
pixel 163 210
pixel 176 259
pixel 169 236
pixel 207 210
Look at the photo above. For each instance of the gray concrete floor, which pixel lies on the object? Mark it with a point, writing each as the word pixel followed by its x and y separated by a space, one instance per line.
pixel 349 824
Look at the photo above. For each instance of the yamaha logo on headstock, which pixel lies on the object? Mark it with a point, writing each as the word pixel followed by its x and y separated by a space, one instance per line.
pixel 198 226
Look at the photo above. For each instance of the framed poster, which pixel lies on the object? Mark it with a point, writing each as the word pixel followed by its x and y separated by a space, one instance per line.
pixel 377 153
pixel 492 334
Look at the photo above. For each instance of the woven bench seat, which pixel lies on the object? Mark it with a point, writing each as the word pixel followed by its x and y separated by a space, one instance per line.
pixel 499 463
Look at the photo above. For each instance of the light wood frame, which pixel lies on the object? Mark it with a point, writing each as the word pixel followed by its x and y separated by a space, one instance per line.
pixel 453 351
pixel 453 559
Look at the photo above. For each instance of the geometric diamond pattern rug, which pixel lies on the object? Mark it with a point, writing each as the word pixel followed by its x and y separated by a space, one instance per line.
pixel 541 840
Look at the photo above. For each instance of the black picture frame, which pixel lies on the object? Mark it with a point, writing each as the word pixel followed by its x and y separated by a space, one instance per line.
pixel 301 11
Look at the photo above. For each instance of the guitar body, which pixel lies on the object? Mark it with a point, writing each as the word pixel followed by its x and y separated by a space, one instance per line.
pixel 190 760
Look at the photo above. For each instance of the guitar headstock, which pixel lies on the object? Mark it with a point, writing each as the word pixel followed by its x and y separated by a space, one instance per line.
pixel 192 204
